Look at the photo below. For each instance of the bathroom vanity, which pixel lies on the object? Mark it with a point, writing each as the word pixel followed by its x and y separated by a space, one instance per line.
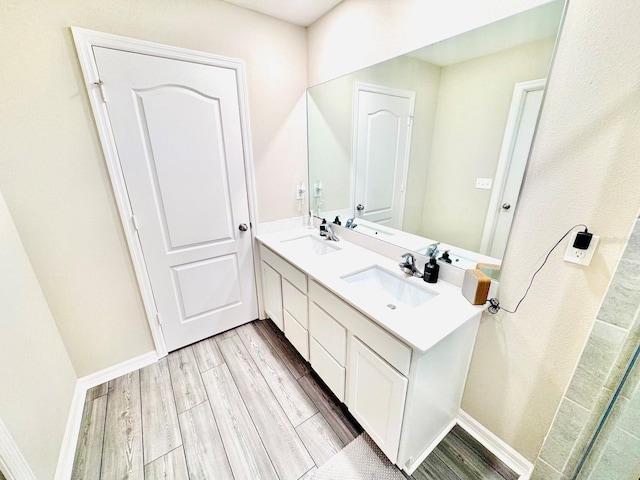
pixel 395 350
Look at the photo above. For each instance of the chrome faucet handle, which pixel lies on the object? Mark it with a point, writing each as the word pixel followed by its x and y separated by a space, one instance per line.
pixel 328 233
pixel 409 258
pixel 409 265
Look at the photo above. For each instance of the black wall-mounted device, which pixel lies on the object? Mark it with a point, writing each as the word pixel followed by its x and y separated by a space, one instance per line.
pixel 583 239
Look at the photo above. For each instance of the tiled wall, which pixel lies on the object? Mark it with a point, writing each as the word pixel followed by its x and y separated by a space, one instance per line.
pixel 606 356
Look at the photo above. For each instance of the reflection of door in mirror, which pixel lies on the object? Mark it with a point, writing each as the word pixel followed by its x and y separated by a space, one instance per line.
pixel 512 163
pixel 382 137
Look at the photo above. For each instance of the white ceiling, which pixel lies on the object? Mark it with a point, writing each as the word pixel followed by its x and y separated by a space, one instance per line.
pixel 299 12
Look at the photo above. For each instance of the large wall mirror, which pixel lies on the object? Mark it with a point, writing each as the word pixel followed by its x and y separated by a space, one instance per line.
pixel 431 147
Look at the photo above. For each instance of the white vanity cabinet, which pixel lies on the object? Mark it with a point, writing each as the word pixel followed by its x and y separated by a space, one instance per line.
pixel 375 366
pixel 405 398
pixel 285 299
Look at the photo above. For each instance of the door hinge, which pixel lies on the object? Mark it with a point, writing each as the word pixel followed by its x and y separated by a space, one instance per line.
pixel 158 319
pixel 100 85
pixel 409 120
pixel 135 222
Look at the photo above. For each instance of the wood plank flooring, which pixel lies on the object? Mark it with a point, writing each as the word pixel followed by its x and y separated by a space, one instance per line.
pixel 242 405
pixel 461 457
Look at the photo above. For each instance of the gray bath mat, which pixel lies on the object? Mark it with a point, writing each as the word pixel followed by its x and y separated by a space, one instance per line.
pixel 360 460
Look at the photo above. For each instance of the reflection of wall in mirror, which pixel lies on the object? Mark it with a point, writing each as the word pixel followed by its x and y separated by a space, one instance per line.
pixel 454 210
pixel 329 151
pixel 330 120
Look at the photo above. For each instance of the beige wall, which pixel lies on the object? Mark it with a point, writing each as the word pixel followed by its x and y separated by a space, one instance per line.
pixel 52 170
pixel 591 118
pixel 584 169
pixel 359 33
pixel 37 379
pixel 473 105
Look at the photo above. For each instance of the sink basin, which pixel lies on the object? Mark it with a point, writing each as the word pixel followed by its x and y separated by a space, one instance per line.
pixel 313 244
pixel 389 287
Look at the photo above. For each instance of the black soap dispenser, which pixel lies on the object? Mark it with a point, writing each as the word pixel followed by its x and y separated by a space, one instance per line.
pixel 323 228
pixel 431 270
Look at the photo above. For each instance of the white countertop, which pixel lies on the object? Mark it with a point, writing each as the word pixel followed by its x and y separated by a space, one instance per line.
pixel 420 327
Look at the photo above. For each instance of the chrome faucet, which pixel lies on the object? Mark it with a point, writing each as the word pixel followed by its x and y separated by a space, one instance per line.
pixel 409 265
pixel 351 223
pixel 432 250
pixel 327 232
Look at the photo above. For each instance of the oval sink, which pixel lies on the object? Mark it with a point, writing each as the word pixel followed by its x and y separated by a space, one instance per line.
pixel 389 287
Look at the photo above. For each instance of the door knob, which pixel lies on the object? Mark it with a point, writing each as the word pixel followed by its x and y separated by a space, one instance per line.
pixel 243 227
pixel 359 207
pixel 506 206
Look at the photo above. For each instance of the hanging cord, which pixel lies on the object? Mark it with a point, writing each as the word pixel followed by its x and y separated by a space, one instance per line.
pixel 494 303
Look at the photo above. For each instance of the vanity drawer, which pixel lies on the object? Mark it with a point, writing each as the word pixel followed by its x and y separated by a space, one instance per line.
pixel 295 302
pixel 329 370
pixel 297 335
pixel 328 333
pixel 288 271
pixel 384 344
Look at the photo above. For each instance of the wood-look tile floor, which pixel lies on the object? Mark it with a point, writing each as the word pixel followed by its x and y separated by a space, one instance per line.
pixel 459 456
pixel 242 405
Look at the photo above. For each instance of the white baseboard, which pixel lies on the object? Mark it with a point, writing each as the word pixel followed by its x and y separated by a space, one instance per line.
pixel 495 445
pixel 12 464
pixel 68 449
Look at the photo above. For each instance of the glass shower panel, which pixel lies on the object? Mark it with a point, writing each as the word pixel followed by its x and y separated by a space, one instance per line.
pixel 614 450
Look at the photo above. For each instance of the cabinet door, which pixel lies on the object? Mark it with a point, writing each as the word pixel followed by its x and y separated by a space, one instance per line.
pixel 376 397
pixel 272 290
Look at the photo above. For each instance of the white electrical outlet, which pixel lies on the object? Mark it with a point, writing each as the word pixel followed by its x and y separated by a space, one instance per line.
pixel 576 255
pixel 300 191
pixel 484 183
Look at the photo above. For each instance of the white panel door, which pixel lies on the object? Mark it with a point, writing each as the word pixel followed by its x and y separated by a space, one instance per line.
pixel 523 138
pixel 178 134
pixel 381 154
pixel 516 145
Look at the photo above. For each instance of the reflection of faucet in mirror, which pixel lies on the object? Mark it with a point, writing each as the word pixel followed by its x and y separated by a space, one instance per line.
pixel 432 250
pixel 445 257
pixel 457 165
